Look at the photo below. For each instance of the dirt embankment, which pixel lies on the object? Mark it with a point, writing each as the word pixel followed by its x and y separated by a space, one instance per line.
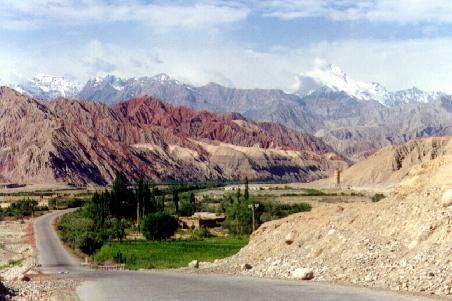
pixel 403 242
pixel 21 280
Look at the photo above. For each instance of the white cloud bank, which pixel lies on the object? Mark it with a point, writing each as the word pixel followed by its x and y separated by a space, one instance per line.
pixel 33 14
pixel 424 63
pixel 394 11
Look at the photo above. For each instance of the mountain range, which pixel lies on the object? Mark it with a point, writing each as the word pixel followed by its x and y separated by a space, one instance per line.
pixel 355 118
pixel 87 142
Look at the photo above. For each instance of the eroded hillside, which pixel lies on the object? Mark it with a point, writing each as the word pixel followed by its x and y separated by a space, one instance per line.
pixel 85 142
pixel 403 242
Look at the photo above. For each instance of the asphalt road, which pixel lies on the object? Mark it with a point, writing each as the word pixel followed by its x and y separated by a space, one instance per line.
pixel 153 285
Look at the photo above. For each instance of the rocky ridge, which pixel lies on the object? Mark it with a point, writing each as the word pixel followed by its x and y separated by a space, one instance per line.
pixel 86 142
pixel 355 118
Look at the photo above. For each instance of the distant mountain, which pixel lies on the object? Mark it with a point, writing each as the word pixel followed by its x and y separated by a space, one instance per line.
pixel 86 142
pixel 49 87
pixel 326 77
pixel 355 118
pixel 112 89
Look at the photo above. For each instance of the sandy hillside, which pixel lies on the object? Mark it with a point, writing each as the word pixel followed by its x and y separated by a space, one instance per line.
pixel 390 165
pixel 403 242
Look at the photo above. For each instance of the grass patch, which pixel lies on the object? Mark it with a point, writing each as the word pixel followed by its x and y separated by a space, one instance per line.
pixel 313 192
pixel 168 254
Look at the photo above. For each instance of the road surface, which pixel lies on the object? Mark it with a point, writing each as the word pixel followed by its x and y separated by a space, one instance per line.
pixel 153 285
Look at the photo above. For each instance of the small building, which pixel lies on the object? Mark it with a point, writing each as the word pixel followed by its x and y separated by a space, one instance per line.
pixel 202 219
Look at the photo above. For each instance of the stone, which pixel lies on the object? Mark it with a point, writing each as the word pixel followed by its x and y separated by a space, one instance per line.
pixel 246 266
pixel 25 278
pixel 413 244
pixel 289 238
pixel 194 264
pixel 446 199
pixel 303 274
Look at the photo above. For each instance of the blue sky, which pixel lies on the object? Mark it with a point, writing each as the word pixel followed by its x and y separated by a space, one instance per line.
pixel 239 43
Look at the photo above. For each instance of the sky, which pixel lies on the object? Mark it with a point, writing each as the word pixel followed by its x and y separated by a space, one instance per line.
pixel 244 44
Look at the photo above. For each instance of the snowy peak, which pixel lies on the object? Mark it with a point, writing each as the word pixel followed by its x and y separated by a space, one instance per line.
pixel 330 77
pixel 162 77
pixel 413 95
pixel 109 81
pixel 48 87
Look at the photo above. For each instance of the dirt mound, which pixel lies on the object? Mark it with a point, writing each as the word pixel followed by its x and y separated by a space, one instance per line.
pixel 403 242
pixel 391 164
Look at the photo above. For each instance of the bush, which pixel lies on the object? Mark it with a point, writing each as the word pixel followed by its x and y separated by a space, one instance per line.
pixel 75 203
pixel 203 232
pixel 20 209
pixel 79 232
pixel 313 192
pixel 116 228
pixel 271 210
pixel 158 226
pixel 239 219
pixel 377 197
pixel 187 208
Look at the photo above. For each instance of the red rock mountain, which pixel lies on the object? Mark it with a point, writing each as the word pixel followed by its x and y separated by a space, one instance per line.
pixel 86 142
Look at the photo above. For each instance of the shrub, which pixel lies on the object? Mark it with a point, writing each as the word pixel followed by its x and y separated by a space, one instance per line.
pixel 75 203
pixel 203 232
pixel 313 192
pixel 158 226
pixel 377 197
pixel 20 209
pixel 79 232
pixel 116 228
pixel 187 208
pixel 239 219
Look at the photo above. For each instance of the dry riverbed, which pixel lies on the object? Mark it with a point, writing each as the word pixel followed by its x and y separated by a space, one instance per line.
pixel 18 272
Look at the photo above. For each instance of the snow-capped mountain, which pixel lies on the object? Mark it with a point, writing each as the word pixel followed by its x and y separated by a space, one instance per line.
pixel 111 89
pixel 413 95
pixel 13 86
pixel 323 81
pixel 330 77
pixel 48 87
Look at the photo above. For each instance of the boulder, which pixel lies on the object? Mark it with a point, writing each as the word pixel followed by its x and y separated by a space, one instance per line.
pixel 446 199
pixel 246 266
pixel 289 238
pixel 25 278
pixel 194 264
pixel 303 274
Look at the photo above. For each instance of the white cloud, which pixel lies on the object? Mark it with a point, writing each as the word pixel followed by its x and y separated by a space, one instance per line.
pixel 424 63
pixel 30 14
pixel 397 11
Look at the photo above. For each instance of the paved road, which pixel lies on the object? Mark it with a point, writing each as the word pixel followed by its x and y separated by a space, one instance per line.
pixel 139 286
pixel 52 257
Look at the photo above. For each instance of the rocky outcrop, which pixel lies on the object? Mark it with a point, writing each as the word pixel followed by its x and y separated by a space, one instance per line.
pixel 85 142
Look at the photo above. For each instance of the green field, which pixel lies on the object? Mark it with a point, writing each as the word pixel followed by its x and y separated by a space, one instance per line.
pixel 168 254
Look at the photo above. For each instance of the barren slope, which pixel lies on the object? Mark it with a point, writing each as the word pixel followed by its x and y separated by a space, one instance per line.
pixel 391 164
pixel 403 242
pixel 84 142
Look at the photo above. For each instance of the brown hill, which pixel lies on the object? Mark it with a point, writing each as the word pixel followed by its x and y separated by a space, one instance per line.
pixel 85 142
pixel 388 166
